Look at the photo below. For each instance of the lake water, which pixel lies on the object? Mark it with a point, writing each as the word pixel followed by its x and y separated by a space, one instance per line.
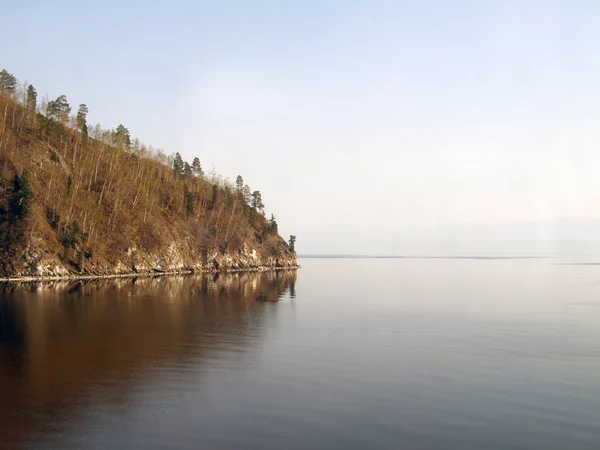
pixel 345 354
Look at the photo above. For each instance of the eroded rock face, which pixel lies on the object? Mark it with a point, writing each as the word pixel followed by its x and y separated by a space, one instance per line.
pixel 250 260
pixel 176 258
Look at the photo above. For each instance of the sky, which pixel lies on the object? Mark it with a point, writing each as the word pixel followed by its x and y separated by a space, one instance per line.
pixel 372 127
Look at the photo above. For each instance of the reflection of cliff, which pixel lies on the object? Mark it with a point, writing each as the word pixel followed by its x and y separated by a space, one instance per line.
pixel 59 340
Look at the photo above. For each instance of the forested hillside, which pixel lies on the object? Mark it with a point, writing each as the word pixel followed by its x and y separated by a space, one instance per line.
pixel 80 199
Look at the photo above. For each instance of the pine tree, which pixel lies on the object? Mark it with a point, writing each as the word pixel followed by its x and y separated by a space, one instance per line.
pixel 187 170
pixel 82 119
pixel 196 167
pixel 31 102
pixel 22 199
pixel 273 228
pixel 257 203
pixel 122 137
pixel 178 165
pixel 59 109
pixel 8 83
pixel 247 195
pixel 292 243
pixel 239 183
pixel 190 201
pixel 215 195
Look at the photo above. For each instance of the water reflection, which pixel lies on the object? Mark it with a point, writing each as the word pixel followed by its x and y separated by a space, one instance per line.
pixel 66 341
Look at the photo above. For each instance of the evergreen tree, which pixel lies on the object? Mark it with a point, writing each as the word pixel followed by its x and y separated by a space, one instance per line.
pixel 122 137
pixel 8 83
pixel 187 170
pixel 31 102
pixel 59 109
pixel 196 167
pixel 247 195
pixel 190 200
pixel 273 225
pixel 178 165
pixel 239 183
pixel 82 119
pixel 22 199
pixel 257 203
pixel 292 243
pixel 215 194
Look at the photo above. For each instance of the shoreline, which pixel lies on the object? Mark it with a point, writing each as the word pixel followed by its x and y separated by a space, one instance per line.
pixel 76 277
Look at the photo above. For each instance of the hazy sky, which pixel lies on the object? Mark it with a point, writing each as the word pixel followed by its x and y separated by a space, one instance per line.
pixel 357 120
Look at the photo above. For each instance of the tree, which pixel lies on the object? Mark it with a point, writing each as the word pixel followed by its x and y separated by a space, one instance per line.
pixel 215 195
pixel 257 203
pixel 59 109
pixel 177 165
pixel 292 243
pixel 187 170
pixel 247 195
pixel 190 200
pixel 22 199
pixel 122 136
pixel 196 167
pixel 239 183
pixel 8 83
pixel 82 119
pixel 22 96
pixel 95 131
pixel 31 99
pixel 273 228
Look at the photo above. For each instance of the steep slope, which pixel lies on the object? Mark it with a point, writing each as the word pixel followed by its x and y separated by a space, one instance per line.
pixel 70 204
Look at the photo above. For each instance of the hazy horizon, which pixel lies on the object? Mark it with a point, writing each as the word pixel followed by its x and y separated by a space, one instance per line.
pixel 370 127
pixel 559 237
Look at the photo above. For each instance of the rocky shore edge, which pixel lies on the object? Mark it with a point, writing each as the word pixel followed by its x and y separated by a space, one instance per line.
pixel 46 267
pixel 75 277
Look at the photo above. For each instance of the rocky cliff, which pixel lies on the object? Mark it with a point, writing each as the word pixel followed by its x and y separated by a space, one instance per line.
pixel 35 262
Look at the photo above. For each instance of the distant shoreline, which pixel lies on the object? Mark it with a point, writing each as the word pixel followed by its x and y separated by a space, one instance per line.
pixel 418 257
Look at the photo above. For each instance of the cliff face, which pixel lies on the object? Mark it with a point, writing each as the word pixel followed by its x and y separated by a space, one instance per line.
pixel 36 262
pixel 71 205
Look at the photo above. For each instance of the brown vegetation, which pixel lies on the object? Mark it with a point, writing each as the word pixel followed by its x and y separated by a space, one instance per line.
pixel 90 201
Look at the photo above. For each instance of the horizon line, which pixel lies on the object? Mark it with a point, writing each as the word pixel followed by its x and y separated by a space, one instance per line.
pixel 358 256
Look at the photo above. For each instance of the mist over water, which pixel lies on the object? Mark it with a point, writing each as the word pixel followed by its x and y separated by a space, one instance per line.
pixel 427 353
pixel 574 237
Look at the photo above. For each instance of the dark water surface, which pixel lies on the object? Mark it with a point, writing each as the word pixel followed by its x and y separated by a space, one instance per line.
pixel 345 354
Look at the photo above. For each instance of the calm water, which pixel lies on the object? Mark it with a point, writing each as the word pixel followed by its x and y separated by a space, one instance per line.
pixel 359 353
